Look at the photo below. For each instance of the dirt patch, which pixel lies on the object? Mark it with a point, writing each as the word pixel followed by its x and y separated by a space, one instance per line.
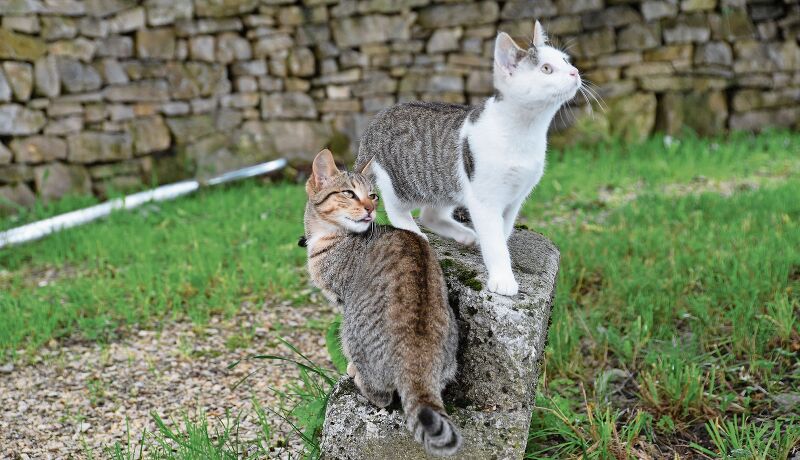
pixel 81 396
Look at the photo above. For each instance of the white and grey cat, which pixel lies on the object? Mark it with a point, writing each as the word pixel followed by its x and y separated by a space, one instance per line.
pixel 487 157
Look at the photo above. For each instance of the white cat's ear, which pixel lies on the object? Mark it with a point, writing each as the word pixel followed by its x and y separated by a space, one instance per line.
pixel 506 53
pixel 539 36
pixel 367 168
pixel 323 168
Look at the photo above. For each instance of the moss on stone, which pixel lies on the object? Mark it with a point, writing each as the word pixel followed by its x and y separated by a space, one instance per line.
pixel 465 275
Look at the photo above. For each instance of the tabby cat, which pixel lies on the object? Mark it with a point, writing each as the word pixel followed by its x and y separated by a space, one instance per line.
pixel 398 331
pixel 486 157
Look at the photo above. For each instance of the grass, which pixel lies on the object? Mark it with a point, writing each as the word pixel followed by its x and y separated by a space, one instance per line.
pixel 674 329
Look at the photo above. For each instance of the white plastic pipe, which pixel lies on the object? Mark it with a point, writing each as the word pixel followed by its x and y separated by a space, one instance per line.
pixel 42 228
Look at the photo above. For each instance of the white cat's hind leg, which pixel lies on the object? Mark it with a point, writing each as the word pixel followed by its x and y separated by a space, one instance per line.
pixel 398 212
pixel 440 220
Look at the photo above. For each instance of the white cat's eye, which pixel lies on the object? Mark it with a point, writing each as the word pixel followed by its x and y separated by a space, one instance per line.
pixel 348 193
pixel 547 69
pixel 373 196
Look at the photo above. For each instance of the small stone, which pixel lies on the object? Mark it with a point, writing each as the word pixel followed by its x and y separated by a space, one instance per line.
pixel 444 40
pixel 116 46
pixel 155 43
pixel 5 87
pixel 232 47
pixel 20 195
pixel 5 154
pixel 287 105
pixel 596 43
pixel 656 10
pixel 38 149
pixel 578 6
pixel 112 71
pixel 102 8
pixel 58 27
pixel 64 126
pixel 613 16
pixel 16 120
pixel 301 62
pixel 20 47
pixel 526 9
pixel 150 134
pixel 140 91
pixel 91 147
pixel 77 77
pixel 24 24
pixel 186 28
pixel 434 17
pixel 222 8
pixel 127 21
pixel 639 37
pixel 269 45
pixel 164 12
pixel 80 48
pixel 7 368
pixel 254 68
pixel 698 5
pixel 686 29
pixel 56 180
pixel 187 129
pixel 201 48
pixel 46 78
pixel 20 78
pixel 713 53
pixel 195 79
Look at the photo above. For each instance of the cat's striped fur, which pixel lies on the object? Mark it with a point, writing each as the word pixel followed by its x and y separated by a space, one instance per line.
pixel 398 331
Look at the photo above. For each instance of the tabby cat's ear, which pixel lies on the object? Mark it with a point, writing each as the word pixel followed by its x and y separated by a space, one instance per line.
pixel 323 168
pixel 367 168
pixel 539 37
pixel 506 54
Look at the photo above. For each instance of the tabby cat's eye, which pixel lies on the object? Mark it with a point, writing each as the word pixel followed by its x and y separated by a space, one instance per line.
pixel 349 193
pixel 373 196
pixel 547 69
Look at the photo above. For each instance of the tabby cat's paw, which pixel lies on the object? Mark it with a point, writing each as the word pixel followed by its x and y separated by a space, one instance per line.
pixel 351 369
pixel 503 285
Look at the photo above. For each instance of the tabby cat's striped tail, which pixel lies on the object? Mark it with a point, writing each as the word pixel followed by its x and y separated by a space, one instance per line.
pixel 431 427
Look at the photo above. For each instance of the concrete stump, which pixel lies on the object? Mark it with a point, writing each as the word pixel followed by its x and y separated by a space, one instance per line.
pixel 501 344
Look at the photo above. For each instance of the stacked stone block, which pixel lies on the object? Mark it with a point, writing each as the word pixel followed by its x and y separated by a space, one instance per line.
pixel 101 95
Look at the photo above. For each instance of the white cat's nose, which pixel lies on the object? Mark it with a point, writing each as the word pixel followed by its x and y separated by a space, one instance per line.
pixel 573 72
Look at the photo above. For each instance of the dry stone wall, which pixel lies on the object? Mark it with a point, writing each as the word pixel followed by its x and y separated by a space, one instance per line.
pixel 99 95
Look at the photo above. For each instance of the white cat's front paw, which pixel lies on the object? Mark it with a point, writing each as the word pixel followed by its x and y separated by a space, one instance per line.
pixel 503 285
pixel 467 238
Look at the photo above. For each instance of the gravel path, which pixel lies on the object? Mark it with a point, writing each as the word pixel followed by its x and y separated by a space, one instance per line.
pixel 75 397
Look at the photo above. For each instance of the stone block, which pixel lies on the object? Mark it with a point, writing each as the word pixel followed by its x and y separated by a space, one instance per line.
pixel 287 105
pixel 103 8
pixel 15 173
pixel 16 120
pixel 232 47
pixel 462 14
pixel 639 37
pixel 265 47
pixel 93 147
pixel 155 43
pixel 527 9
pixel 613 16
pixel 301 62
pixel 355 31
pixel 633 117
pixel 595 43
pixel 56 180
pixel 77 77
pixel 46 78
pixel 20 78
pixel 713 53
pixel 20 47
pixel 13 197
pixel 223 8
pixel 444 40
pixel 578 6
pixel 164 12
pixel 115 46
pixel 149 134
pixel 64 126
pixel 195 79
pixel 691 28
pixel 698 5
pixel 80 48
pixel 5 154
pixel 501 344
pixel 704 112
pixel 27 24
pixel 654 10
pixel 201 48
pixel 58 27
pixel 38 149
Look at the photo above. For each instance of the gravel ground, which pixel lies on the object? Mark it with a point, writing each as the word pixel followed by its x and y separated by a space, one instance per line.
pixel 68 399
